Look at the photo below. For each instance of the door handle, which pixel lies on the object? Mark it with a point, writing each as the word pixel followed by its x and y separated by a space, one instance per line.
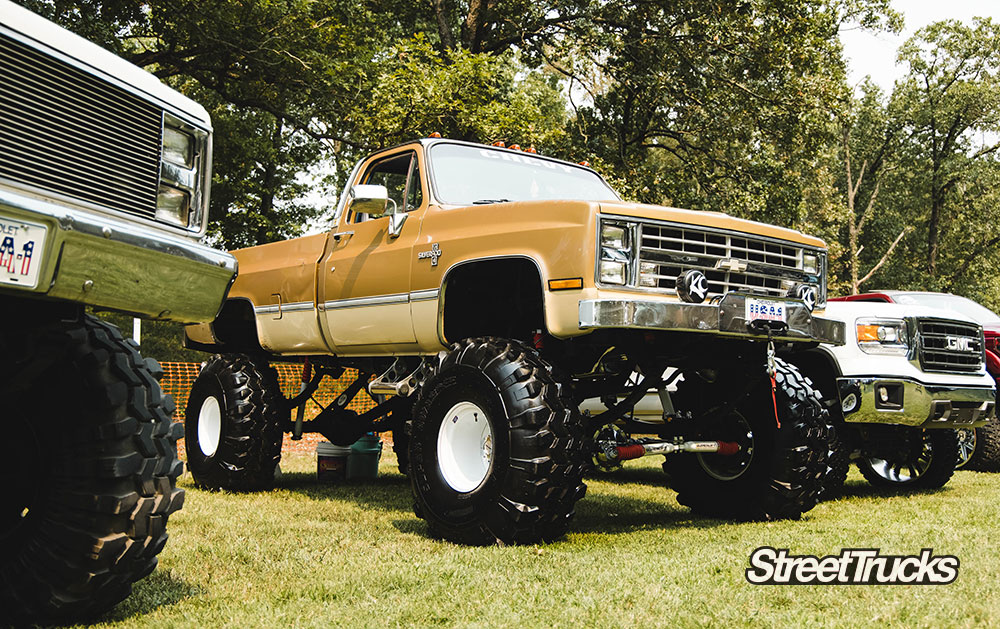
pixel 340 235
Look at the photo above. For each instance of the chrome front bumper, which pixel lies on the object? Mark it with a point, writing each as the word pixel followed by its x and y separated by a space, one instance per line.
pixel 911 403
pixel 123 265
pixel 725 318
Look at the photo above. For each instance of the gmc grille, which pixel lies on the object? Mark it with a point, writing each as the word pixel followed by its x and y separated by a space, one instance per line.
pixel 949 345
pixel 667 251
pixel 65 131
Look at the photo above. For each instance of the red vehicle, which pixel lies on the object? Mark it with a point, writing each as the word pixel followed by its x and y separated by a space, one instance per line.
pixel 979 448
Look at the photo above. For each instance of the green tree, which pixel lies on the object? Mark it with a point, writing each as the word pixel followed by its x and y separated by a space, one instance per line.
pixel 950 104
pixel 868 154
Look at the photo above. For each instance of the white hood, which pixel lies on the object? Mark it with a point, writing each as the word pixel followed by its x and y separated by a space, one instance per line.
pixel 34 29
pixel 850 311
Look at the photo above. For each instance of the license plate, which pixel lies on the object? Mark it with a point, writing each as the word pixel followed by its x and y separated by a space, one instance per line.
pixel 22 247
pixel 758 309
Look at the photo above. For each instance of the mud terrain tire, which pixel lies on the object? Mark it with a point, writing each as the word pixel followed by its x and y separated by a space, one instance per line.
pixel 837 465
pixel 90 470
pixel 531 460
pixel 986 455
pixel 232 425
pixel 783 477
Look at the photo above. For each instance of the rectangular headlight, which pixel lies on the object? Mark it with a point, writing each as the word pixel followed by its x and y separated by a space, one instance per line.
pixel 613 237
pixel 612 272
pixel 173 206
pixel 178 147
pixel 810 263
pixel 882 336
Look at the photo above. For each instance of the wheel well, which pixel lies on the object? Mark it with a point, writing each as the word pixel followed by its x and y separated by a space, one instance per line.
pixel 493 298
pixel 819 367
pixel 235 327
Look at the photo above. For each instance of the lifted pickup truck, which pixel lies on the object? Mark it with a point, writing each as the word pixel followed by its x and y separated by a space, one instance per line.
pixel 484 292
pixel 104 176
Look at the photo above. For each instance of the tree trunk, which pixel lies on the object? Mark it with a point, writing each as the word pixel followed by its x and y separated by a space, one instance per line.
pixel 472 29
pixel 444 31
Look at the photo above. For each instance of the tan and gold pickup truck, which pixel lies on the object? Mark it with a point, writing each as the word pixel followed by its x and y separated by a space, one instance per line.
pixel 482 292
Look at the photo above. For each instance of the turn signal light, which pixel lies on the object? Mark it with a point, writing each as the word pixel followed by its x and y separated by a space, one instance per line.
pixel 868 333
pixel 566 284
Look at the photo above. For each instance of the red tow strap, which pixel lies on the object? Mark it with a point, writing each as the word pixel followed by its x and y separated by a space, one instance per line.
pixel 774 400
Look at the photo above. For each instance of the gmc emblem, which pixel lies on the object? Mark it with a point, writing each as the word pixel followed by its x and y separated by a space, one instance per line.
pixel 959 343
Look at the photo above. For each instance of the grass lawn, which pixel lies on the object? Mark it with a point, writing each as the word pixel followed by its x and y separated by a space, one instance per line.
pixel 312 555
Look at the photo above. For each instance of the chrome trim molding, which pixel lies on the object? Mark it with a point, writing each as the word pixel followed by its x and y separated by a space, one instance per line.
pixel 424 295
pixel 925 406
pixel 399 298
pixel 298 306
pixel 727 317
pixel 378 300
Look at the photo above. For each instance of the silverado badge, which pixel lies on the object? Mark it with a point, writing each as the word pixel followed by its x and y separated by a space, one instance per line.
pixel 433 254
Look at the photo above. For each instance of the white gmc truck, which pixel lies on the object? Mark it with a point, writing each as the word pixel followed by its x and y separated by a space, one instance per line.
pixel 906 377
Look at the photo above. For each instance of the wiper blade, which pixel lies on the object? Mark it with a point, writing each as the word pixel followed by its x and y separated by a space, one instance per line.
pixel 488 201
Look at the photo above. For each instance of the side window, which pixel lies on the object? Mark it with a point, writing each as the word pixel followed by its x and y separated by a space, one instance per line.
pixel 391 173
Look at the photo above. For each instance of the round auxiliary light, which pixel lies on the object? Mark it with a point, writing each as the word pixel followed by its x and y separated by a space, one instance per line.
pixel 692 286
pixel 435 134
pixel 805 292
pixel 499 144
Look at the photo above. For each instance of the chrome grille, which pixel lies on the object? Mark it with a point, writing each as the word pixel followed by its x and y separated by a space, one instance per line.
pixel 771 268
pixel 946 345
pixel 68 132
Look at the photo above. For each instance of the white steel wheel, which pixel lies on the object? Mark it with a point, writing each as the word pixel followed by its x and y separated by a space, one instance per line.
pixel 465 447
pixel 209 426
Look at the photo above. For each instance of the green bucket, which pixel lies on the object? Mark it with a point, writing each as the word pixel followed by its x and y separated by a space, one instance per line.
pixel 363 460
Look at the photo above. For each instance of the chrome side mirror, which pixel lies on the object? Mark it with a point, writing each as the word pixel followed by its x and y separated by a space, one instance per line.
pixel 369 199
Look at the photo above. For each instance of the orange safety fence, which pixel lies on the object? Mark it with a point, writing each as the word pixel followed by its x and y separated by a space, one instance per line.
pixel 178 379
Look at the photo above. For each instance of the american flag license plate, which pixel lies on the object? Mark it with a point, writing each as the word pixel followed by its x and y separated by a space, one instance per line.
pixel 22 247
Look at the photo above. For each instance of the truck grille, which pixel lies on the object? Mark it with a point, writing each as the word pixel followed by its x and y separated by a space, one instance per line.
pixel 952 346
pixel 665 252
pixel 68 132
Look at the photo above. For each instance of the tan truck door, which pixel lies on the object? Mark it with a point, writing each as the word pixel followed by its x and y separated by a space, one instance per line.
pixel 364 276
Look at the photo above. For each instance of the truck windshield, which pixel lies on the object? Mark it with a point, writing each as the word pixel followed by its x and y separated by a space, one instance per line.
pixel 466 175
